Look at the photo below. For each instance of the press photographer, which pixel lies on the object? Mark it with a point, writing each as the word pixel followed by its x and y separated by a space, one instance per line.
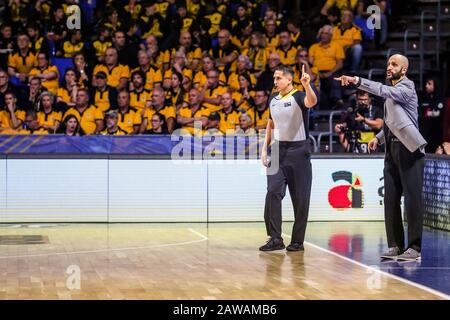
pixel 360 124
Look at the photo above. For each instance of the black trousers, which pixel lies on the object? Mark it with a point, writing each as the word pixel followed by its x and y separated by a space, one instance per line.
pixel 403 174
pixel 294 171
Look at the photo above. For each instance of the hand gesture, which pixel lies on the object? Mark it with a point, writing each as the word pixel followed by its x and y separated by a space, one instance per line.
pixel 346 80
pixel 305 79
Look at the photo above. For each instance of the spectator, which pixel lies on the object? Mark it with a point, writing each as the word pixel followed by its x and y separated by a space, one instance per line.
pixel 153 75
pixel 265 80
pixel 5 86
pixel 118 74
pixel 285 49
pixel 243 66
pixel 271 37
pixel 431 114
pixel 228 116
pixel 159 125
pixel 83 68
pixel 89 116
pixel 11 118
pixel 177 94
pixel 67 93
pixel 126 50
pixel 130 119
pixel 212 91
pixel 245 93
pixel 101 44
pixel 260 113
pixel 241 34
pixel 21 61
pixel 104 97
pixel 327 57
pixel 48 118
pixel 6 43
pixel 112 127
pixel 139 96
pixel 151 23
pixel 71 126
pixel 194 117
pixel 245 126
pixel 57 31
pixel 208 64
pixel 159 105
pixel 35 89
pixel 193 54
pixel 340 4
pixel 225 53
pixel 360 125
pixel 179 64
pixel 349 36
pixel 213 127
pixel 48 74
pixel 74 45
pixel 302 59
pixel 31 124
pixel 257 53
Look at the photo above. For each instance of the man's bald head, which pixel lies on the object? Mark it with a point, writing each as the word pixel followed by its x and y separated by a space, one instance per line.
pixel 401 59
pixel 397 67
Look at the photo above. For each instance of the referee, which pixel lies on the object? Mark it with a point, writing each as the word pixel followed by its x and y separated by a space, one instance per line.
pixel 289 121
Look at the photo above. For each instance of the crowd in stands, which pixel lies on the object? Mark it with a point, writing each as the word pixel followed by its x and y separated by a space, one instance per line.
pixel 154 66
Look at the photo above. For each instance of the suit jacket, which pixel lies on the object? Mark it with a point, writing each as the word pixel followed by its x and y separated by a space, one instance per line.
pixel 400 111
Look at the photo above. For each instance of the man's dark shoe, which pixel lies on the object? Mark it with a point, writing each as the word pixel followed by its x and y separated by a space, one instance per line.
pixel 272 245
pixel 295 246
pixel 392 253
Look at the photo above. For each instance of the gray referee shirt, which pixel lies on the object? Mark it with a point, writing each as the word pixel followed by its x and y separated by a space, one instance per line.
pixel 290 116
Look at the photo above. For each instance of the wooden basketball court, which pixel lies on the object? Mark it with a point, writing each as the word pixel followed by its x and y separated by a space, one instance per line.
pixel 180 261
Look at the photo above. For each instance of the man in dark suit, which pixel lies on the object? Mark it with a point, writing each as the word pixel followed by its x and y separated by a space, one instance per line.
pixel 404 160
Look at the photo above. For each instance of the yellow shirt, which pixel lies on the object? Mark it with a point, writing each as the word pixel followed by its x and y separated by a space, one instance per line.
pixel 342 4
pixel 70 49
pixel 87 118
pixel 186 72
pixel 65 95
pixel 287 57
pixel 192 8
pixel 228 121
pixel 166 111
pixel 215 18
pixel 258 58
pixel 233 80
pixel 101 100
pixel 346 37
pixel 242 45
pixel 272 42
pixel 100 47
pixel 152 76
pixel 259 118
pixel 51 85
pixel 118 132
pixel 129 119
pixel 212 94
pixel 22 64
pixel 24 131
pixel 138 100
pixel 162 7
pixel 115 74
pixel 187 113
pixel 49 119
pixel 6 121
pixel 191 55
pixel 201 78
pixel 326 56
pixel 245 104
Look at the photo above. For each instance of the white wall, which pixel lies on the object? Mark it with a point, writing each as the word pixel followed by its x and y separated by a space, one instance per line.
pixel 101 190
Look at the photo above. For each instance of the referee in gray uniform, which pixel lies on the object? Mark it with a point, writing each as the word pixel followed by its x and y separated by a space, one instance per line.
pixel 404 161
pixel 289 122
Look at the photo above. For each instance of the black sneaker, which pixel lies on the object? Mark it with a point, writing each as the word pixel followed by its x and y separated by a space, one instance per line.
pixel 272 245
pixel 392 253
pixel 295 246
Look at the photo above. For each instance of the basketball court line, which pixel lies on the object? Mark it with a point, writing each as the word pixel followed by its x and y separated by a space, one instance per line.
pixel 203 238
pixel 411 283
